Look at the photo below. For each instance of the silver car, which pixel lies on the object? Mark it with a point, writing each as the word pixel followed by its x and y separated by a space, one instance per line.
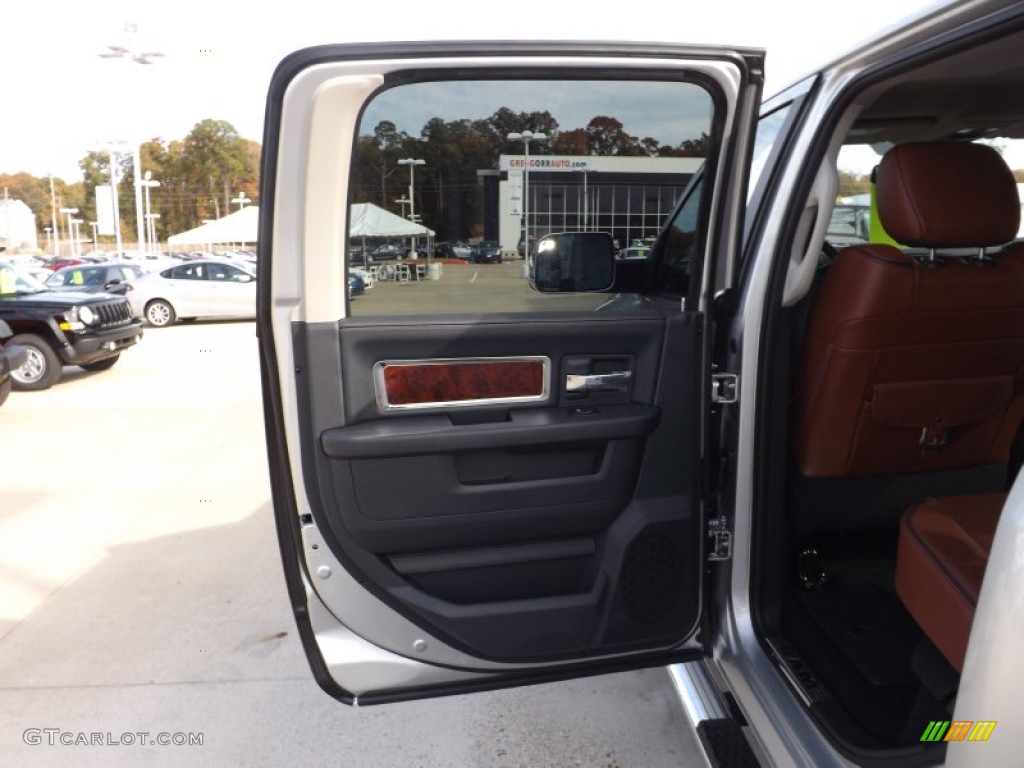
pixel 203 288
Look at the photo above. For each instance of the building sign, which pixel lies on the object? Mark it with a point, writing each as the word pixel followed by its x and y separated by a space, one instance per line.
pixel 547 163
pixel 514 190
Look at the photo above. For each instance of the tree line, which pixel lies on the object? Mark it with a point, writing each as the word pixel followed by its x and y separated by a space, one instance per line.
pixel 448 194
pixel 199 175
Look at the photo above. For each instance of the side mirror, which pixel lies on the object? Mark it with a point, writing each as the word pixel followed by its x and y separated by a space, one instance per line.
pixel 573 262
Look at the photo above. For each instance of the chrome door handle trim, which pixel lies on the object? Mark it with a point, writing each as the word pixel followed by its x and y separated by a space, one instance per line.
pixel 618 381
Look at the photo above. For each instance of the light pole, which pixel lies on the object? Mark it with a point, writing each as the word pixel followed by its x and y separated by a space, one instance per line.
pixel 69 212
pixel 151 228
pixel 138 57
pixel 49 239
pixel 76 223
pixel 95 236
pixel 403 201
pixel 241 200
pixel 54 220
pixel 148 182
pixel 115 200
pixel 412 163
pixel 526 137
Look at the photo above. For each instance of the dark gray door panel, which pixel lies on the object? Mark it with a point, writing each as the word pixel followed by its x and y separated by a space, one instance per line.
pixel 576 517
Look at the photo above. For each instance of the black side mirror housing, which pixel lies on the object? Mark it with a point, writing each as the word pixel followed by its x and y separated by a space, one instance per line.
pixel 573 262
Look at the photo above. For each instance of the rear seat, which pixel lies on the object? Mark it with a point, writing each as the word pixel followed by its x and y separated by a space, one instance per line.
pixel 943 548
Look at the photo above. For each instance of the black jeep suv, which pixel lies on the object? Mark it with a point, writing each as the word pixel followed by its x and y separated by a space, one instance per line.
pixel 56 329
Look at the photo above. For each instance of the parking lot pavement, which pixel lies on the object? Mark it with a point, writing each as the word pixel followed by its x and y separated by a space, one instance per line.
pixel 483 288
pixel 141 592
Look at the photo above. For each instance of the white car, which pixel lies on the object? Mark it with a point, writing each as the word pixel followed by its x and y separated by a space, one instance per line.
pixel 779 468
pixel 201 288
pixel 365 274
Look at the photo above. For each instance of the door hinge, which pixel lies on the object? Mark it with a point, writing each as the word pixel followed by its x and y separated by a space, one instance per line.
pixel 720 546
pixel 725 388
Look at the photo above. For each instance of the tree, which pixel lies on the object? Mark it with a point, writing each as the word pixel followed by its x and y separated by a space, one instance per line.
pixel 694 147
pixel 607 136
pixel 215 160
pixel 574 142
pixel 851 183
pixel 376 163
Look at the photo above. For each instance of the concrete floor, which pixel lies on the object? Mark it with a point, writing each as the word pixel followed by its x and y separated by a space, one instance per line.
pixel 141 591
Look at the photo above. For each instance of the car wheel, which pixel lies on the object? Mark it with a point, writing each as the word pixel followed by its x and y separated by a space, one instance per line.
pixel 101 365
pixel 159 313
pixel 5 390
pixel 41 368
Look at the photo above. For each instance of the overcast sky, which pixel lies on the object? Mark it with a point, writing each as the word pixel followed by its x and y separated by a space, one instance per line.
pixel 61 98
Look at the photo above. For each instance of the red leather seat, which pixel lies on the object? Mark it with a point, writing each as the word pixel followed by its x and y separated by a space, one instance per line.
pixel 908 366
pixel 943 549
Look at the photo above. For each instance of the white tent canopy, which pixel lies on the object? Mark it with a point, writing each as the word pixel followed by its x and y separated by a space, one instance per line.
pixel 369 220
pixel 238 227
pixel 365 220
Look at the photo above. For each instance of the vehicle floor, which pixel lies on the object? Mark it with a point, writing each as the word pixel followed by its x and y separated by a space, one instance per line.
pixel 854 634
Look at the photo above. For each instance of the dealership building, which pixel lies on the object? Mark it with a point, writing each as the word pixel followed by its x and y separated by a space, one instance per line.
pixel 628 197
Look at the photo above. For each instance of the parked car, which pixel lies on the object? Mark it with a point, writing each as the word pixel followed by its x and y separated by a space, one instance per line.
pixel 849 225
pixel 387 251
pixel 58 328
pixel 782 471
pixel 356 286
pixel 200 288
pixel 634 253
pixel 12 357
pixel 485 252
pixel 101 278
pixel 363 274
pixel 58 262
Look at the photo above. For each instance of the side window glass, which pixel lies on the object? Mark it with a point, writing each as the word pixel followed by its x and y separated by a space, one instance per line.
pixel 453 184
pixel 769 129
pixel 680 247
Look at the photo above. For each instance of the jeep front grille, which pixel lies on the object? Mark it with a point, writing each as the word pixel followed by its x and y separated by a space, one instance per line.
pixel 113 313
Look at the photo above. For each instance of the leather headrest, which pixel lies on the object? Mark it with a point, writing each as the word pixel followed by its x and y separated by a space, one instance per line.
pixel 947 194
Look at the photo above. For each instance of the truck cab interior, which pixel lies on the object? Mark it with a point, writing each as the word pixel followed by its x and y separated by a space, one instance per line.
pixel 890 424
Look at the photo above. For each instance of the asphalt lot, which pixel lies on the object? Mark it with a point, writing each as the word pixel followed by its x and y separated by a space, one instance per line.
pixel 464 287
pixel 141 591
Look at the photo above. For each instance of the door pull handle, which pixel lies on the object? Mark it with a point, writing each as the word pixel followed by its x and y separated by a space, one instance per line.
pixel 617 381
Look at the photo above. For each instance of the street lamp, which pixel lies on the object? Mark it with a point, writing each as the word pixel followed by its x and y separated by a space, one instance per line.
pixel 148 182
pixel 526 137
pixel 69 212
pixel 138 57
pixel 412 163
pixel 95 235
pixel 49 239
pixel 151 230
pixel 77 235
pixel 403 201
pixel 115 201
pixel 241 200
pixel 54 221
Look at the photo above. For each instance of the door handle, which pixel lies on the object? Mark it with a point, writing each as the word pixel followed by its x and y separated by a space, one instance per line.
pixel 617 381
